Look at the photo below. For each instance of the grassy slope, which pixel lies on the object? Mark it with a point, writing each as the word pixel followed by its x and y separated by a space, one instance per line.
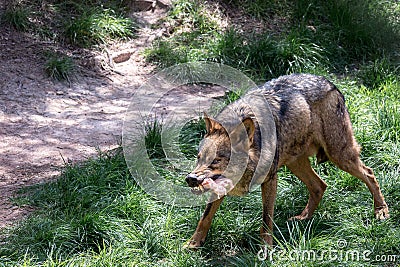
pixel 88 24
pixel 96 215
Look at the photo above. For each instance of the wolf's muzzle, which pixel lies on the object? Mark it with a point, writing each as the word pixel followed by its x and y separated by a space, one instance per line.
pixel 193 180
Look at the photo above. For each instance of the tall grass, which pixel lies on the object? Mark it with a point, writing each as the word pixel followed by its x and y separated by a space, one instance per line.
pixel 317 37
pixel 98 26
pixel 95 214
pixel 82 23
pixel 190 137
pixel 59 67
pixel 17 16
pixel 259 56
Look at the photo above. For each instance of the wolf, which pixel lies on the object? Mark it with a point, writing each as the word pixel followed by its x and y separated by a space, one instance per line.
pixel 310 119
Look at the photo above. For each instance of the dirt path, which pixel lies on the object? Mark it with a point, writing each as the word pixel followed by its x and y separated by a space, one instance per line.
pixel 44 123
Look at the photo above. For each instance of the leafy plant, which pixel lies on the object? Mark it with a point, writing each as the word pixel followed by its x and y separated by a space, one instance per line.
pixel 98 26
pixel 17 16
pixel 59 67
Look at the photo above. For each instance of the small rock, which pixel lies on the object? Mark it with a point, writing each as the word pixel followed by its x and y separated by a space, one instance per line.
pixel 122 56
pixel 31 76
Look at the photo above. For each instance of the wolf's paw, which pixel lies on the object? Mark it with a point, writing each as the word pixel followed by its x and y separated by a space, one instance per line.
pixel 192 244
pixel 301 217
pixel 382 212
pixel 298 218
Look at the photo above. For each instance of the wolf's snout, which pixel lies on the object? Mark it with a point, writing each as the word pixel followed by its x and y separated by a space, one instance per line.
pixel 193 180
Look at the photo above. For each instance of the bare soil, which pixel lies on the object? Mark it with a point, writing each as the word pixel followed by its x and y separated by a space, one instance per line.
pixel 45 124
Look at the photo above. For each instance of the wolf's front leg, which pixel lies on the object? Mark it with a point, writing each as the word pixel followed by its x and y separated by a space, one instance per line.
pixel 199 236
pixel 268 191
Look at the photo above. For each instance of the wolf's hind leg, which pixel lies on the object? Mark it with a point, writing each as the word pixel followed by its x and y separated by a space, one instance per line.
pixel 351 163
pixel 315 185
pixel 342 149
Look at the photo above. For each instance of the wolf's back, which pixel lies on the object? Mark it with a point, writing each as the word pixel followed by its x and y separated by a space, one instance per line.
pixel 312 87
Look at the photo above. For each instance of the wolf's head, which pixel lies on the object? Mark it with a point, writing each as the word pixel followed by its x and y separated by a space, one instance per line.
pixel 215 152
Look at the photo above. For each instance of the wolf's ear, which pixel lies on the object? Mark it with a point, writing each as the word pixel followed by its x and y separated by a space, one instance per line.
pixel 242 140
pixel 211 125
pixel 250 128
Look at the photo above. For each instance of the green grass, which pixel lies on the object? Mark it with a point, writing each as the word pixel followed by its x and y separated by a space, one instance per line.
pixel 190 136
pixel 260 55
pixel 98 26
pixel 317 36
pixel 81 23
pixel 17 16
pixel 153 140
pixel 59 67
pixel 195 36
pixel 379 73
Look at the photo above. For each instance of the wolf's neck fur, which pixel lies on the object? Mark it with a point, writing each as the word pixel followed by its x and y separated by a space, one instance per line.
pixel 262 150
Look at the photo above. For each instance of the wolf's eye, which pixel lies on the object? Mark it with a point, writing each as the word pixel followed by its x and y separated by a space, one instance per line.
pixel 215 161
